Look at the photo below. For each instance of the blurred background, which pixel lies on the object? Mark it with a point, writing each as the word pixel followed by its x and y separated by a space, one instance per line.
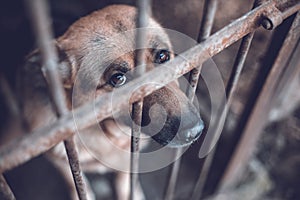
pixel 272 173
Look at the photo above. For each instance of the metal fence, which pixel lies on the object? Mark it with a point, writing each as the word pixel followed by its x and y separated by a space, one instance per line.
pixel 268 14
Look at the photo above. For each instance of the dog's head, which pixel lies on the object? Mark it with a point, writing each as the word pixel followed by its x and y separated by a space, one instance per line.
pixel 87 47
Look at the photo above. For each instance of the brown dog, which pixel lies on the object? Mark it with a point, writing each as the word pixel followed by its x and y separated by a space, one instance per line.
pixel 97 64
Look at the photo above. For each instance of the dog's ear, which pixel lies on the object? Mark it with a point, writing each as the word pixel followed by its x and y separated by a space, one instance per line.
pixel 64 65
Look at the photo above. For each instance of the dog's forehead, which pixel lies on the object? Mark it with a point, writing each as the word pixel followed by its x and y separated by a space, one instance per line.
pixel 98 40
pixel 113 24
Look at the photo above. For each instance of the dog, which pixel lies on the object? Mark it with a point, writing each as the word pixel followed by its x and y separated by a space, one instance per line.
pixel 91 62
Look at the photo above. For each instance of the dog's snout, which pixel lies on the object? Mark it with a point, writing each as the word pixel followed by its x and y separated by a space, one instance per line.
pixel 176 122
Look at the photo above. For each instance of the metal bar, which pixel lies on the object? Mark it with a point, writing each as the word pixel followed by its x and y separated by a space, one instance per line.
pixel 209 10
pixel 204 170
pixel 238 66
pixel 137 109
pixel 288 7
pixel 290 73
pixel 5 191
pixel 73 159
pixel 169 195
pixel 38 10
pixel 230 91
pixel 259 114
pixel 10 99
pixel 39 141
pixel 16 125
pixel 210 7
pixel 143 14
pixel 19 126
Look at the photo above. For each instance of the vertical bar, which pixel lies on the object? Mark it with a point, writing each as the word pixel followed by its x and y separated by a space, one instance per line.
pixel 173 176
pixel 258 117
pixel 143 14
pixel 210 7
pixel 5 191
pixel 10 99
pixel 16 119
pixel 238 66
pixel 230 91
pixel 38 10
pixel 135 140
pixel 290 74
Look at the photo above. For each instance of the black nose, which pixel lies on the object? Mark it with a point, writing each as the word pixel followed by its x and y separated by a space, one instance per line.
pixel 191 132
pixel 175 135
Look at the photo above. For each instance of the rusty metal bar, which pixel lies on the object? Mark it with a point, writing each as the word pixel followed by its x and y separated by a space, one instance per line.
pixel 210 7
pixel 209 10
pixel 137 109
pixel 288 7
pixel 230 91
pixel 143 14
pixel 259 115
pixel 238 66
pixel 39 141
pixel 291 72
pixel 38 10
pixel 5 191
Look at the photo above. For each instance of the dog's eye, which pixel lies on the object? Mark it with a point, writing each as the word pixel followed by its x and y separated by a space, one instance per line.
pixel 162 56
pixel 117 79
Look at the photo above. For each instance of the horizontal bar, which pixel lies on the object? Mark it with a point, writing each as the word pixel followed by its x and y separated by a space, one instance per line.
pixel 39 141
pixel 259 115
